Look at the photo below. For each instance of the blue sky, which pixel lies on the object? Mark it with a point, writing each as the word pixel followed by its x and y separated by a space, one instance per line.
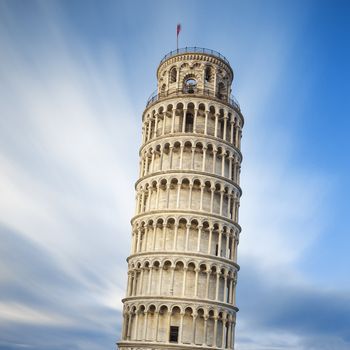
pixel 74 79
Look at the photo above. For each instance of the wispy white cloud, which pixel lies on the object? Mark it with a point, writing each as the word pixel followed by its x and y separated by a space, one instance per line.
pixel 68 163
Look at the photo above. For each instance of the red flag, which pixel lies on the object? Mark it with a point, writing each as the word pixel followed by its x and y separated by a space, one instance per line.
pixel 178 28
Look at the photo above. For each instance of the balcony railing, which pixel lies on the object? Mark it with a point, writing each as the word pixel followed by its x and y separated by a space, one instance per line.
pixel 195 50
pixel 194 91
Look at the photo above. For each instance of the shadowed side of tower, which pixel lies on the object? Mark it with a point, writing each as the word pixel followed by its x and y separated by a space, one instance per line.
pixel 182 270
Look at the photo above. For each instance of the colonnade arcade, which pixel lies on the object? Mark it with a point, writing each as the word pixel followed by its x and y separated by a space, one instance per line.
pixel 183 234
pixel 209 119
pixel 189 154
pixel 188 192
pixel 183 278
pixel 168 322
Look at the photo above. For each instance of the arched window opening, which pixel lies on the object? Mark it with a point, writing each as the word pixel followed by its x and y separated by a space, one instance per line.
pixel 173 75
pixel 190 85
pixel 222 93
pixel 208 74
pixel 189 123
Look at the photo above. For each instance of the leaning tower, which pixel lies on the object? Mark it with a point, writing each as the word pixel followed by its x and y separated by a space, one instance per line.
pixel 182 270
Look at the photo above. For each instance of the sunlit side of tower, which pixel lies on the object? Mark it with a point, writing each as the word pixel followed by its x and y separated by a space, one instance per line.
pixel 182 270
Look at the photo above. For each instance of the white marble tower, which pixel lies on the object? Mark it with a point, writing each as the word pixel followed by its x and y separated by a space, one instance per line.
pixel 182 270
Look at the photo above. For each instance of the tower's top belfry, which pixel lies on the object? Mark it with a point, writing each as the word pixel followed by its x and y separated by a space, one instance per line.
pixel 195 70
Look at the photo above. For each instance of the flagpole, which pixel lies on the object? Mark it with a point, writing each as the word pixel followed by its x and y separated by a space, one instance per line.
pixel 178 29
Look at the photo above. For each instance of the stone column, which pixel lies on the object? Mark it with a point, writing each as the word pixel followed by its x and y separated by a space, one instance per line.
pixel 129 326
pixel 136 282
pixel 175 235
pixel 194 317
pixel 190 195
pixel 195 119
pixel 182 314
pixel 168 327
pixel 223 330
pixel 230 167
pixel 149 129
pixel 173 121
pixel 172 280
pixel 181 155
pixel 222 192
pixel 196 283
pixel 212 199
pixel 205 330
pixel 206 123
pixel 184 281
pixel 167 194
pixel 178 195
pixel 164 235
pixel 160 280
pixel 164 121
pixel 223 164
pixel 215 331
pixel 217 285
pixel 161 157
pixel 138 240
pixel 225 288
pixel 204 158
pixel 227 255
pixel 199 238
pixel 155 126
pixel 207 284
pixel 219 242
pixel 192 156
pixel 171 156
pixel 225 125
pixel 184 120
pixel 136 324
pixel 215 151
pixel 150 280
pixel 230 300
pixel 232 130
pixel 201 200
pixel 141 282
pixel 145 326
pixel 216 125
pixel 188 226
pixel 146 164
pixel 210 239
pixel 157 196
pixel 154 236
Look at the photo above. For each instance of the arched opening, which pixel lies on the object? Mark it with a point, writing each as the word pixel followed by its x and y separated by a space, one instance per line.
pixel 175 325
pixel 190 84
pixel 173 75
pixel 189 122
pixel 208 74
pixel 222 91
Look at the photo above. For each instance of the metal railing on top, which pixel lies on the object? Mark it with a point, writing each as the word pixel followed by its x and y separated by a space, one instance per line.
pixel 195 50
pixel 194 91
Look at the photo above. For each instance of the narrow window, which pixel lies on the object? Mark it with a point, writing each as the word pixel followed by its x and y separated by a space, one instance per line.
pixel 174 334
pixel 216 250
